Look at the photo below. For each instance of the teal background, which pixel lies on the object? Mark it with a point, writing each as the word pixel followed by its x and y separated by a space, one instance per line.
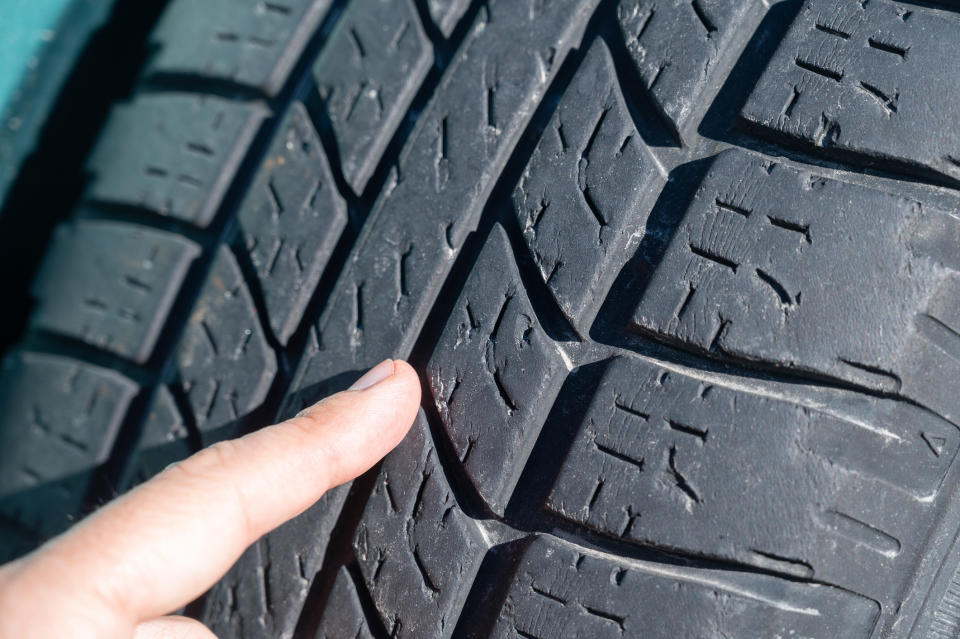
pixel 26 28
pixel 40 41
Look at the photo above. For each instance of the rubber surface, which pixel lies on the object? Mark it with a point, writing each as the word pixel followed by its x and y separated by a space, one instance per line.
pixel 681 280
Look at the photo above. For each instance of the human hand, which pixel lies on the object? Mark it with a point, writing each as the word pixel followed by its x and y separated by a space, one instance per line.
pixel 166 542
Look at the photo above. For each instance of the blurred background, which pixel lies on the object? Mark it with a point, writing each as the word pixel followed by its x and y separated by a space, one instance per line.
pixel 62 64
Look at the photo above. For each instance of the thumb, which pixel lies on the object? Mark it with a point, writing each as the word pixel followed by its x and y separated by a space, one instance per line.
pixel 173 628
pixel 166 542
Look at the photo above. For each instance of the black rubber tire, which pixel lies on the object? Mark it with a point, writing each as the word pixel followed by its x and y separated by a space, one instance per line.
pixel 681 278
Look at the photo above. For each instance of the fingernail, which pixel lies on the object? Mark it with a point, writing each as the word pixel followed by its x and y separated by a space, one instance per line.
pixel 374 376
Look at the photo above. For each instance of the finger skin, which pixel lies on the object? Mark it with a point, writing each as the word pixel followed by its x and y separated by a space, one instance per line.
pixel 166 542
pixel 173 628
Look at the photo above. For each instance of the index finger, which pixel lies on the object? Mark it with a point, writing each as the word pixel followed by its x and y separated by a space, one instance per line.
pixel 166 542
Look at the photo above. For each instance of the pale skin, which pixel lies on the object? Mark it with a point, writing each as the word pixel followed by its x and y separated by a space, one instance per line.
pixel 120 571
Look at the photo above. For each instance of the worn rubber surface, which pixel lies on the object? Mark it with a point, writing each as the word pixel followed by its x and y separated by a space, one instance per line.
pixel 682 280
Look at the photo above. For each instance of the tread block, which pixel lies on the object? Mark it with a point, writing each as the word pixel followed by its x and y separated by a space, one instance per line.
pixel 417 550
pixel 44 511
pixel 249 42
pixel 866 81
pixel 164 439
pixel 494 374
pixel 758 270
pixel 447 13
pixel 174 154
pixel 580 198
pixel 367 76
pixel 560 591
pixel 939 619
pixel 446 171
pixel 163 424
pixel 263 594
pixel 291 219
pixel 704 466
pixel 60 418
pixel 675 46
pixel 224 364
pixel 111 284
pixel 343 616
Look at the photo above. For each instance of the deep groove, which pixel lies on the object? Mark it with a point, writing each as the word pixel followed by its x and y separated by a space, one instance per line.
pixel 606 616
pixel 702 16
pixel 596 494
pixel 276 7
pixel 251 280
pixel 678 477
pixel 802 229
pixel 685 304
pixel 699 433
pixel 593 208
pixel 113 212
pixel 114 477
pixel 208 336
pixel 358 307
pixel 940 334
pixel 658 347
pixel 795 567
pixel 369 608
pixel 777 287
pixel 863 533
pixel 548 595
pixel 637 463
pixel 645 24
pixel 41 341
pixel 792 102
pixel 648 117
pixel 632 411
pixel 832 31
pixel 885 101
pixel 825 72
pixel 504 393
pixel 339 553
pixel 495 331
pixel 427 581
pixel 429 27
pixel 564 145
pixel 355 40
pixel 175 82
pixel 548 524
pixel 713 257
pixel 199 149
pixel 888 48
pixel 585 154
pixel 491 116
pixel 874 370
pixel 732 208
pixel 418 501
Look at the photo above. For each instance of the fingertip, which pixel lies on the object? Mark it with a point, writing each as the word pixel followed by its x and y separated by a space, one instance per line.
pixel 407 378
pixel 173 627
pixel 354 429
pixel 382 371
pixel 397 395
pixel 390 371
